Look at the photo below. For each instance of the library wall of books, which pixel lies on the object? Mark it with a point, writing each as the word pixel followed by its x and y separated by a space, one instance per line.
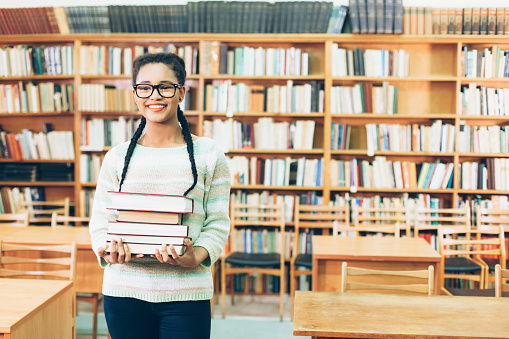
pixel 402 107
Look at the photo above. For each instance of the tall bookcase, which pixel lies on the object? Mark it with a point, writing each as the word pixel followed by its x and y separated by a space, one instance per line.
pixel 430 92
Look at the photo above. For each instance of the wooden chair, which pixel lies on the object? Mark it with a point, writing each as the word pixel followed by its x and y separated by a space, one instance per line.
pixel 41 211
pixel 39 261
pixel 501 281
pixel 469 244
pixel 382 220
pixel 312 217
pixel 429 218
pixel 92 298
pixel 410 280
pixel 271 262
pixel 14 219
pixel 487 217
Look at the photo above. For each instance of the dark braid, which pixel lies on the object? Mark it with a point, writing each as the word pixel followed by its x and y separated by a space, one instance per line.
pixel 189 141
pixel 130 150
pixel 177 65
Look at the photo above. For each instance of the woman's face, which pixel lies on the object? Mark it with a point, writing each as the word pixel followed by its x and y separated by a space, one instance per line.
pixel 157 108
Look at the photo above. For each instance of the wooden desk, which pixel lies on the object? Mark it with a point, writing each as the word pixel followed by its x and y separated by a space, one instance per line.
pixel 33 308
pixel 369 252
pixel 89 275
pixel 374 315
pixel 6 230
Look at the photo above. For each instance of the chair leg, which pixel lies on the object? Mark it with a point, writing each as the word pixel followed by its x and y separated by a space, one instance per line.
pixel 232 288
pixel 223 287
pixel 281 294
pixel 94 327
pixel 292 289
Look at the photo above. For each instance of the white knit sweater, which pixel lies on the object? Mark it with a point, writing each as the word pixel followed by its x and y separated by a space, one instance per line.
pixel 166 171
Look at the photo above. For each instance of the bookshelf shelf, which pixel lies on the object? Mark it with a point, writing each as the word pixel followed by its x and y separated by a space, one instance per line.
pixel 275 151
pixel 44 77
pixel 36 161
pixel 431 92
pixel 278 188
pixel 39 183
pixel 396 79
pixel 42 114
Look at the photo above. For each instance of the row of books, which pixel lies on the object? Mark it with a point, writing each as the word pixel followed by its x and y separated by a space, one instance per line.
pixel 29 97
pixel 90 165
pixel 251 61
pixel 364 98
pixel 439 137
pixel 105 98
pixel 482 100
pixel 86 202
pixel 475 21
pixel 29 145
pixel 383 173
pixel 96 133
pixel 23 60
pixel 116 60
pixel 340 136
pixel 195 17
pixel 264 134
pixel 376 16
pixel 483 139
pixel 369 62
pixel 276 171
pixel 239 97
pixel 11 198
pixel 490 173
pixel 485 63
pixel 63 172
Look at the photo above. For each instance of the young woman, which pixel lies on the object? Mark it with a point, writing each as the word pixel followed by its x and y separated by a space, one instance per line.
pixel 163 295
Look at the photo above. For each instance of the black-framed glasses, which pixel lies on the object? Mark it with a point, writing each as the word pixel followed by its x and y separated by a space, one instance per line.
pixel 144 91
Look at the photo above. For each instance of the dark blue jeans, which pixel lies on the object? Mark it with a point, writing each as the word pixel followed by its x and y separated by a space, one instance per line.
pixel 133 318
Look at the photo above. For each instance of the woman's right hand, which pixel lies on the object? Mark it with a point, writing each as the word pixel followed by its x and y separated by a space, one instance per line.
pixel 119 253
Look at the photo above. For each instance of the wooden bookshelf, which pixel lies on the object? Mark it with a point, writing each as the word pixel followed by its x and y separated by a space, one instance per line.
pixel 430 92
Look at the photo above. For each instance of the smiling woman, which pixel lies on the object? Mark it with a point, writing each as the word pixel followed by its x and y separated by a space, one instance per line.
pixel 162 294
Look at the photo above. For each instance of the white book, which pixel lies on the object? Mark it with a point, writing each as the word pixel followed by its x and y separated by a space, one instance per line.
pixel 150 202
pixel 145 239
pixel 150 248
pixel 133 228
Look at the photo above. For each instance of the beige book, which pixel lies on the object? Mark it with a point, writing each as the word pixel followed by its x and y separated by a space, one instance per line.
pixel 150 217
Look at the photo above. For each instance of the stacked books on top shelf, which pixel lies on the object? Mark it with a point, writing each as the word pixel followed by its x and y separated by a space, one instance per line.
pixel 147 221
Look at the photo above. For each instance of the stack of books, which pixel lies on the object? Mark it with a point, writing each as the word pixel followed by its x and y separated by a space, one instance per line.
pixel 147 221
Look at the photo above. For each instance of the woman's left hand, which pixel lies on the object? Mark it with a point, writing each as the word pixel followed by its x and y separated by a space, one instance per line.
pixel 188 259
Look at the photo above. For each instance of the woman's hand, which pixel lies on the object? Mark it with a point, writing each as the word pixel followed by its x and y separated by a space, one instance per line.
pixel 191 258
pixel 119 253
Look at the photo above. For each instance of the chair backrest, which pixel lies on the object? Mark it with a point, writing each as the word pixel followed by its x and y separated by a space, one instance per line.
pixel 14 219
pixel 430 218
pixel 473 243
pixel 492 217
pixel 382 219
pixel 41 211
pixel 38 261
pixel 330 219
pixel 424 277
pixel 62 220
pixel 255 228
pixel 501 280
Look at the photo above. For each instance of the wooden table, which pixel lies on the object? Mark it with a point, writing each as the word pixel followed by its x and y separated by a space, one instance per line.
pixel 89 275
pixel 33 308
pixel 374 315
pixel 370 252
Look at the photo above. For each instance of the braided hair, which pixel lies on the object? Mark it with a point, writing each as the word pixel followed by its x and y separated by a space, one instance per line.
pixel 175 63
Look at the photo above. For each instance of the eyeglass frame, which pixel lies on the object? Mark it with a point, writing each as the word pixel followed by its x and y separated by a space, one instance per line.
pixel 158 91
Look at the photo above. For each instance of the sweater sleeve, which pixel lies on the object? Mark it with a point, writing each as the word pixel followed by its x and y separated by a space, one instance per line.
pixel 107 181
pixel 216 202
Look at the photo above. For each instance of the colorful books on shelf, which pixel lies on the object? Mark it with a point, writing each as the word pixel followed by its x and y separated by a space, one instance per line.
pixel 147 221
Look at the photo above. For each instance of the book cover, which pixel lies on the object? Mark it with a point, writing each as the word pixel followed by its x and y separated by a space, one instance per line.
pixel 483 24
pixel 150 248
pixel 146 239
pixel 150 217
pixel 150 202
pixel 133 228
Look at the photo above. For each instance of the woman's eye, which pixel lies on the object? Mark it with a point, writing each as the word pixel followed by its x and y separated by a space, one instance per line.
pixel 144 88
pixel 165 88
